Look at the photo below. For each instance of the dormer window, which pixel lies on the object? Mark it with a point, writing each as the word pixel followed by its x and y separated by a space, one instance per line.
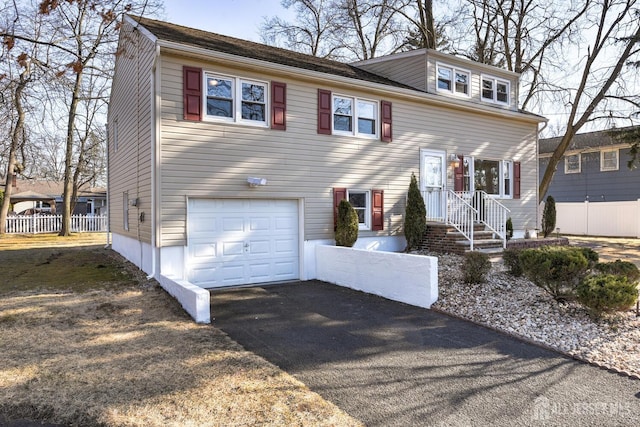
pixel 453 80
pixel 495 90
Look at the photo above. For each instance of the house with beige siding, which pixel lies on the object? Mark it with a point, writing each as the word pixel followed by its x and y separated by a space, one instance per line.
pixel 227 157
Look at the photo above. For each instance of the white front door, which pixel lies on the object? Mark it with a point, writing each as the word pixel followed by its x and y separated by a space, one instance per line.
pixel 242 241
pixel 433 182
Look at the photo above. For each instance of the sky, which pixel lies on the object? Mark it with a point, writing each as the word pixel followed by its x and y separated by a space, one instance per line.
pixel 237 18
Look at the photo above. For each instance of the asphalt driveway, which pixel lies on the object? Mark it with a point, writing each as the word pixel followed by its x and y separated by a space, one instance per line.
pixel 390 364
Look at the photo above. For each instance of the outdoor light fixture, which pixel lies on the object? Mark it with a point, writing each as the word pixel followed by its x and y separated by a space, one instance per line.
pixel 255 182
pixel 454 160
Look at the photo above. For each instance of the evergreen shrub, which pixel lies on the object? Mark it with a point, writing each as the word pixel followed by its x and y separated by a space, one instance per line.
pixel 556 269
pixel 475 267
pixel 606 293
pixel 415 217
pixel 347 224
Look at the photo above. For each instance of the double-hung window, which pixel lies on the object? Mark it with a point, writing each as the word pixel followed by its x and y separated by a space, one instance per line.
pixel 495 90
pixel 572 163
pixel 361 202
pixel 354 116
pixel 494 177
pixel 609 160
pixel 453 80
pixel 236 100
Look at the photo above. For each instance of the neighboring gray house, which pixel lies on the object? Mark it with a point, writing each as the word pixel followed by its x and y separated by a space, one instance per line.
pixel 594 168
pixel 30 196
pixel 227 158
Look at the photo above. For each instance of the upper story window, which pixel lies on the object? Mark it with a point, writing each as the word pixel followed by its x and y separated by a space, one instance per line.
pixel 353 116
pixel 453 80
pixel 609 160
pixel 572 163
pixel 236 100
pixel 495 90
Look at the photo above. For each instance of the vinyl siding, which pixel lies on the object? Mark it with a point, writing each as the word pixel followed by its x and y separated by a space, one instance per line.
pixel 213 160
pixel 592 184
pixel 130 111
pixel 411 70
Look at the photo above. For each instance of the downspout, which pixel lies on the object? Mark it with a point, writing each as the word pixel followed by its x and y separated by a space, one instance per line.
pixel 155 156
pixel 106 126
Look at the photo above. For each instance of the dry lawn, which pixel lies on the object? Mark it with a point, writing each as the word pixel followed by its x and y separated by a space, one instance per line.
pixel 110 348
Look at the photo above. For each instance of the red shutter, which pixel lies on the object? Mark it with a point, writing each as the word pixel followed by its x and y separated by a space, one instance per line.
pixel 338 194
pixel 458 175
pixel 324 112
pixel 386 133
pixel 377 210
pixel 192 89
pixel 516 180
pixel 278 106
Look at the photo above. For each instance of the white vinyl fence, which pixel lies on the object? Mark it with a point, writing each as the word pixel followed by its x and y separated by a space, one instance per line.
pixel 32 224
pixel 611 219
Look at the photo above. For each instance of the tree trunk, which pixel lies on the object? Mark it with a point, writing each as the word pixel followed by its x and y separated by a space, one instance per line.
pixel 15 142
pixel 68 172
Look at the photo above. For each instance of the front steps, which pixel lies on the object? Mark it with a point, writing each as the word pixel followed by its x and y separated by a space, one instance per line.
pixel 444 238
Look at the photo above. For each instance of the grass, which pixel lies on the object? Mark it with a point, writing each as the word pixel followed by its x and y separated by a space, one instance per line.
pixel 86 339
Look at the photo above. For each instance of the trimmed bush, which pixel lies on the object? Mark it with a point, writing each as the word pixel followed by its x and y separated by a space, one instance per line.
pixel 347 224
pixel 475 267
pixel 606 293
pixel 591 256
pixel 549 216
pixel 415 217
pixel 511 259
pixel 556 269
pixel 620 268
pixel 509 228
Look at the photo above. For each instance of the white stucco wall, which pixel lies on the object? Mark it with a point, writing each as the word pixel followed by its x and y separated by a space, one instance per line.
pixel 195 300
pixel 135 251
pixel 380 243
pixel 411 279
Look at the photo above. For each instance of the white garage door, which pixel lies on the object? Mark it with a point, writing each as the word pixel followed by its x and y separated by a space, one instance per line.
pixel 238 241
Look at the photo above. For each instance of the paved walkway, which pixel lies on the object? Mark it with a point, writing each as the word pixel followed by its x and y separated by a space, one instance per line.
pixel 390 364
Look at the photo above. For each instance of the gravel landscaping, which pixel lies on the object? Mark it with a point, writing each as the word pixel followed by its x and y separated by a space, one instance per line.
pixel 518 307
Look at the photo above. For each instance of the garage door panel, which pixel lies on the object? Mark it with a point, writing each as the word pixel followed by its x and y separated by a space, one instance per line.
pixel 232 248
pixel 259 247
pixel 231 224
pixel 237 241
pixel 204 250
pixel 285 247
pixel 260 224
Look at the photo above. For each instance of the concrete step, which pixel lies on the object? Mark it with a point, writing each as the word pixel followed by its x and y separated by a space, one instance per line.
pixel 482 244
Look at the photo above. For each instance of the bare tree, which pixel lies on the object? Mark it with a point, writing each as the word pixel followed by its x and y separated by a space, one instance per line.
pixel 613 44
pixel 87 36
pixel 370 27
pixel 316 30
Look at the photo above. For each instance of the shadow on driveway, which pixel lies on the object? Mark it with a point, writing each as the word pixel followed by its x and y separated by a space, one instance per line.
pixel 387 363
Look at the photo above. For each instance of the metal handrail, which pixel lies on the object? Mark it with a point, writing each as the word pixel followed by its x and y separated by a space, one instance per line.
pixel 461 215
pixel 492 214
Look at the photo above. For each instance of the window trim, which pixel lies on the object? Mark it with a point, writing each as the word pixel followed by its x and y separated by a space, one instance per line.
pixel 617 166
pixel 494 91
pixel 236 100
pixel 454 71
pixel 568 171
pixel 469 180
pixel 367 207
pixel 355 117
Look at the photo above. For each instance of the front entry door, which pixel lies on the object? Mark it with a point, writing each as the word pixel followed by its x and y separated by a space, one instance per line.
pixel 433 182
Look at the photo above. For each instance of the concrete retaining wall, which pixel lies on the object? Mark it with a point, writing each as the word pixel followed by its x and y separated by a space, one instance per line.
pixel 411 279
